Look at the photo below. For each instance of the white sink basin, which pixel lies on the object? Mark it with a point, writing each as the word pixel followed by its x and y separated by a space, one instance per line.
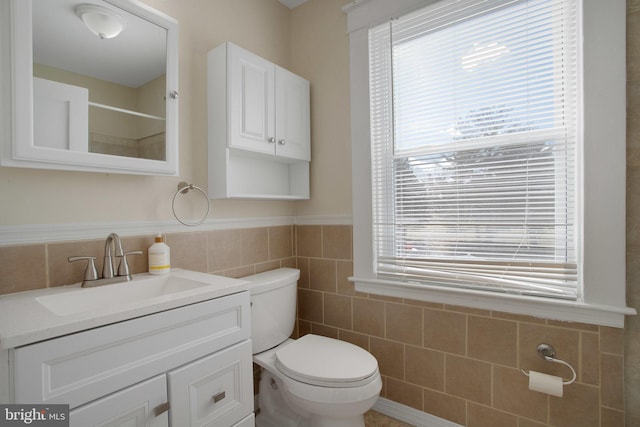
pixel 41 314
pixel 143 289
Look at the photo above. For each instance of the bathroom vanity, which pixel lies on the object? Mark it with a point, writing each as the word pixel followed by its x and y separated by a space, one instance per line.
pixel 179 357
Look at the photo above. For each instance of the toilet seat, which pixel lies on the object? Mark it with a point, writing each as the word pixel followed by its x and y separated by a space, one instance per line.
pixel 326 362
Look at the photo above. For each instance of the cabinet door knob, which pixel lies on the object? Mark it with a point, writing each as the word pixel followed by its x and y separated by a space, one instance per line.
pixel 271 140
pixel 218 397
pixel 281 141
pixel 161 409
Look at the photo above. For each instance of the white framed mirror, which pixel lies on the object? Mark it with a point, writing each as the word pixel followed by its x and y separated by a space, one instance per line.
pixel 83 99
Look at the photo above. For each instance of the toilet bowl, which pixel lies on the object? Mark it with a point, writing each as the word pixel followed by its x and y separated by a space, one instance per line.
pixel 313 381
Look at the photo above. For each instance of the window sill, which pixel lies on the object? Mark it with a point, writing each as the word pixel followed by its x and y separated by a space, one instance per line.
pixel 568 311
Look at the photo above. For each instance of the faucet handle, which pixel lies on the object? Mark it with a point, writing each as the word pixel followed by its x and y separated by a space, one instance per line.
pixel 123 268
pixel 90 273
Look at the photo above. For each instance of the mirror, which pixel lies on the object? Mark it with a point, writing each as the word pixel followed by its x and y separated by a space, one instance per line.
pixel 93 101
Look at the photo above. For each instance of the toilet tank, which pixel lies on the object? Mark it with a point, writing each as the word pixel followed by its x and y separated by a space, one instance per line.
pixel 273 306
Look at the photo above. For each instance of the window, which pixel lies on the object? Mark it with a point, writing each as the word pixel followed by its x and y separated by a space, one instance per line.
pixel 488 143
pixel 474 128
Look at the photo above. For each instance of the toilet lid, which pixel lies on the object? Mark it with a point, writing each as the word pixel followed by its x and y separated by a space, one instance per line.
pixel 323 361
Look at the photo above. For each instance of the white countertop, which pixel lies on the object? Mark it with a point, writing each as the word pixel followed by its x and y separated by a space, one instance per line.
pixel 24 320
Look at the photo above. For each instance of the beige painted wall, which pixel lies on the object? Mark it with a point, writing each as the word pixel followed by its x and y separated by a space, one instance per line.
pixel 320 53
pixel 54 197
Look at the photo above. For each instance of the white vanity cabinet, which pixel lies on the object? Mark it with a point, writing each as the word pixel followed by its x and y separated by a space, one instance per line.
pixel 188 366
pixel 258 127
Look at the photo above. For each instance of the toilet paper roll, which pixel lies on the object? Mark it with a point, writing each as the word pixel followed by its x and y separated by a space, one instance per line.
pixel 544 383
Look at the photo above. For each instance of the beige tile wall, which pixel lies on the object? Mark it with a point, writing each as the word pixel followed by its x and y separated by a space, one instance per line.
pixel 456 363
pixel 459 364
pixel 233 253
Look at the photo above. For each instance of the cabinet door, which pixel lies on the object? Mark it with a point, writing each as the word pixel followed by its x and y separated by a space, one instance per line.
pixel 251 101
pixel 292 116
pixel 136 406
pixel 214 391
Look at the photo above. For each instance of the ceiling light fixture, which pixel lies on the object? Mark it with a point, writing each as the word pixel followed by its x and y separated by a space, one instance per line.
pixel 102 22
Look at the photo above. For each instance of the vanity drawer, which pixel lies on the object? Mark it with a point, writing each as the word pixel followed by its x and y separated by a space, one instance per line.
pixel 213 391
pixel 81 367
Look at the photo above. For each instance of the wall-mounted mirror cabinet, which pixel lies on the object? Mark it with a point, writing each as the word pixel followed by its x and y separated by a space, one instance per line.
pixel 93 86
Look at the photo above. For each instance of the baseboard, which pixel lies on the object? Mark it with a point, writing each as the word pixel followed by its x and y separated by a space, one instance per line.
pixel 410 415
pixel 399 412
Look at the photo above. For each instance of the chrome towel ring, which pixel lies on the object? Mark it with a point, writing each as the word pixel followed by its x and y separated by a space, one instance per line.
pixel 183 188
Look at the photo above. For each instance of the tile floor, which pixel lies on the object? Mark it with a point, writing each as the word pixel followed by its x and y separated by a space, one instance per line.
pixel 376 419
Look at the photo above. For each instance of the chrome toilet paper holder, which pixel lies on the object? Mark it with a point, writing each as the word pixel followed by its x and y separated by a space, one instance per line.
pixel 548 353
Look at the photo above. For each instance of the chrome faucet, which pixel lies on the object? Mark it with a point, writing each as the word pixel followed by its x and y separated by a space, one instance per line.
pixel 111 245
pixel 107 267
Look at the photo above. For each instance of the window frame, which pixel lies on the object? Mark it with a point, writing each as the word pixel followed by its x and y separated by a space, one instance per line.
pixel 601 174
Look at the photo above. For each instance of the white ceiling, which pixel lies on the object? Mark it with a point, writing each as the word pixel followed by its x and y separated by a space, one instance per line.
pixel 292 3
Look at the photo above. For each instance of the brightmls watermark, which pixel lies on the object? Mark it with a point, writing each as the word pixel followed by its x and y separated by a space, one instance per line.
pixel 34 415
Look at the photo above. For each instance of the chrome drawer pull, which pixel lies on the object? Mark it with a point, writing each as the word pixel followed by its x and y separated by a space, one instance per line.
pixel 218 397
pixel 161 409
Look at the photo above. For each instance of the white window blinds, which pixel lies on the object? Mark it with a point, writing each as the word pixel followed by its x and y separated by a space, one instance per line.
pixel 474 127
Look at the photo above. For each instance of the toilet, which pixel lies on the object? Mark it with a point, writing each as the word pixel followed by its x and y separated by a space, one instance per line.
pixel 313 381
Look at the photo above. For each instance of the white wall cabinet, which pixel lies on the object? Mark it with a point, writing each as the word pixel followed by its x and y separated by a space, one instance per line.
pixel 51 135
pixel 190 366
pixel 259 127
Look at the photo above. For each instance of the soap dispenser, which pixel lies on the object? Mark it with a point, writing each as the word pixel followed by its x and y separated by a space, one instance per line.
pixel 159 257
